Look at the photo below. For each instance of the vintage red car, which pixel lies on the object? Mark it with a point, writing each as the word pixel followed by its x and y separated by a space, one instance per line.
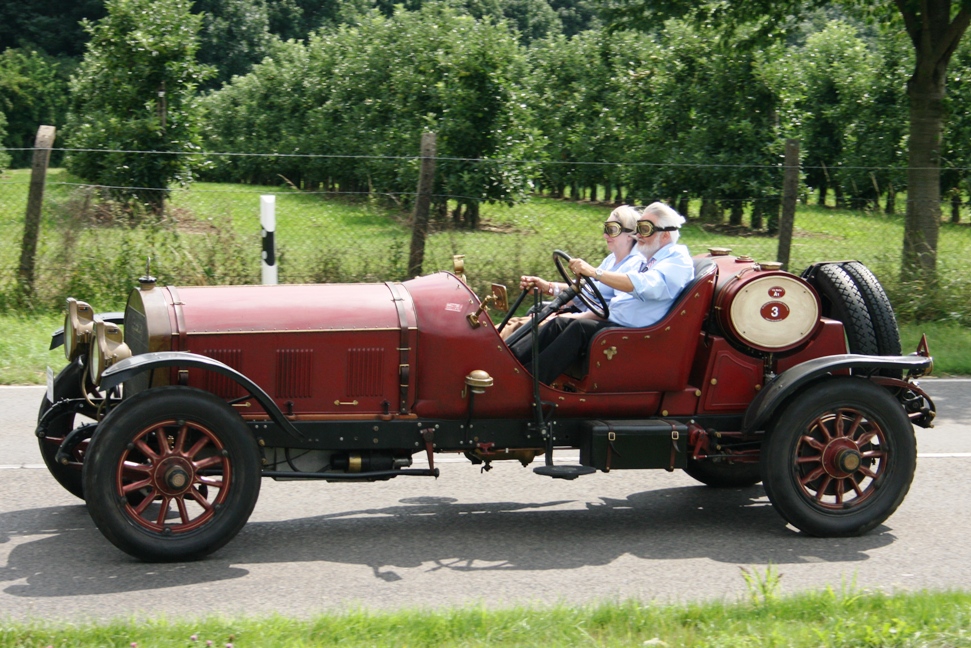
pixel 755 374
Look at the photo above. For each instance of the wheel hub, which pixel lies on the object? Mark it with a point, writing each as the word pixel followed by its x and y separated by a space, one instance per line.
pixel 174 476
pixel 841 458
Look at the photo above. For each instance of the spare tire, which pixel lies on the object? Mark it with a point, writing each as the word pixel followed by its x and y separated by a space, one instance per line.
pixel 878 306
pixel 842 300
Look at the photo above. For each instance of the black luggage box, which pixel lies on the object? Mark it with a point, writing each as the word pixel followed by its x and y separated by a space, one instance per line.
pixel 653 443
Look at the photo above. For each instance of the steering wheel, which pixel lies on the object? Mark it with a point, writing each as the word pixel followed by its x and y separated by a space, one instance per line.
pixel 585 287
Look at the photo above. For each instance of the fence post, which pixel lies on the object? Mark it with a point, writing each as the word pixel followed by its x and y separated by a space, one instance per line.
pixel 35 200
pixel 790 190
pixel 423 202
pixel 268 222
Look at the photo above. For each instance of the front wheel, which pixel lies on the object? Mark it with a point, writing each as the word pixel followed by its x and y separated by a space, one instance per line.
pixel 54 428
pixel 839 459
pixel 172 473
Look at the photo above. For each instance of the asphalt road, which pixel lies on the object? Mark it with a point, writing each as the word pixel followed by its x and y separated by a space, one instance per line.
pixel 500 538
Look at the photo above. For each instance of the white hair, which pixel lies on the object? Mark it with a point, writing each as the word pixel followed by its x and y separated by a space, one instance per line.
pixel 665 216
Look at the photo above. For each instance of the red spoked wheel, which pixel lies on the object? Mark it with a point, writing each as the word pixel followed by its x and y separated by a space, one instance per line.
pixel 172 473
pixel 174 476
pixel 839 459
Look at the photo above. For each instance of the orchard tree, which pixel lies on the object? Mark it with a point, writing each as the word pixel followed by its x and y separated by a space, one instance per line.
pixel 133 111
pixel 33 91
pixel 934 27
pixel 235 36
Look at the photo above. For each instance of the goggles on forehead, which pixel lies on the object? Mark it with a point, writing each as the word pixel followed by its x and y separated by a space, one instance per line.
pixel 614 229
pixel 647 228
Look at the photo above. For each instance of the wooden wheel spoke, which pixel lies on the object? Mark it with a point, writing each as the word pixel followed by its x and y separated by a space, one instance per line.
pixel 197 447
pixel 812 442
pixel 821 491
pixel 163 442
pixel 814 475
pixel 180 438
pixel 146 450
pixel 211 482
pixel 857 423
pixel 820 425
pixel 840 490
pixel 200 500
pixel 183 511
pixel 144 504
pixel 135 486
pixel 163 510
pixel 202 464
pixel 134 470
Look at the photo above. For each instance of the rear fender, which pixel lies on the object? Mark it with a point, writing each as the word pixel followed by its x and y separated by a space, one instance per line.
pixel 786 384
pixel 129 367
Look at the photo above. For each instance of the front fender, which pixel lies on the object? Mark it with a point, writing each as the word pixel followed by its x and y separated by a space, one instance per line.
pixel 125 369
pixel 765 403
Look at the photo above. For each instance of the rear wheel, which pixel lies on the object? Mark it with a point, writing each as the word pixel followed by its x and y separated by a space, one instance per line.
pixel 839 459
pixel 173 473
pixel 724 474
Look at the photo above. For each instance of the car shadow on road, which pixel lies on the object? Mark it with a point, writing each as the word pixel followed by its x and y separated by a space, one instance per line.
pixel 737 526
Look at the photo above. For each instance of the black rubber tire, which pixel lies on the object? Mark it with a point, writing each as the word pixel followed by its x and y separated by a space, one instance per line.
pixel 724 474
pixel 123 483
pixel 801 469
pixel 878 306
pixel 842 300
pixel 67 384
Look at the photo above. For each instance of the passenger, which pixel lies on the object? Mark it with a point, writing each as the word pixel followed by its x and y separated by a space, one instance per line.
pixel 640 297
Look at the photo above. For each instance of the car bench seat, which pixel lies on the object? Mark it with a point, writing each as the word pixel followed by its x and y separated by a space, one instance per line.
pixel 656 357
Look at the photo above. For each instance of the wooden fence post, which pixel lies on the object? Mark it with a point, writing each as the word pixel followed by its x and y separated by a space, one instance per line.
pixel 790 190
pixel 35 200
pixel 423 202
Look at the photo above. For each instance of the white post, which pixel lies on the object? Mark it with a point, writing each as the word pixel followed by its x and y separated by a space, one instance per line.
pixel 268 221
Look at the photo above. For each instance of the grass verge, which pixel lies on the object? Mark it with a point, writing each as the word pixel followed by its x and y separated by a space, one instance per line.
pixel 826 618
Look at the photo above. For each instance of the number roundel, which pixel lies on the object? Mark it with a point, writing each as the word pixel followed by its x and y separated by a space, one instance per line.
pixel 769 311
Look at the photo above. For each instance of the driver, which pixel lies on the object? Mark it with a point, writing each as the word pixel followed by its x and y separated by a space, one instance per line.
pixel 621 240
pixel 641 295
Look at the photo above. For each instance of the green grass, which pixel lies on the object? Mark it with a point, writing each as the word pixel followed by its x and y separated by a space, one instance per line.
pixel 211 234
pixel 826 618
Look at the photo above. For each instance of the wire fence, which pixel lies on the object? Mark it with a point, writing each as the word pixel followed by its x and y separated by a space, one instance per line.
pixel 93 246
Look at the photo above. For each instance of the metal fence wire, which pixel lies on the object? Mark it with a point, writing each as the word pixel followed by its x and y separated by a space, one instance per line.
pixel 95 241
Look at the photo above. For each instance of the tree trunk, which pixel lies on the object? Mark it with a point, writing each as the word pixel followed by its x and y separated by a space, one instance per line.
pixel 935 37
pixel 956 207
pixel 683 205
pixel 923 218
pixel 736 212
pixel 758 208
pixel 891 206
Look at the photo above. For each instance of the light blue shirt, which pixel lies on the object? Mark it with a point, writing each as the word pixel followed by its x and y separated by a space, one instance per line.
pixel 630 263
pixel 655 287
